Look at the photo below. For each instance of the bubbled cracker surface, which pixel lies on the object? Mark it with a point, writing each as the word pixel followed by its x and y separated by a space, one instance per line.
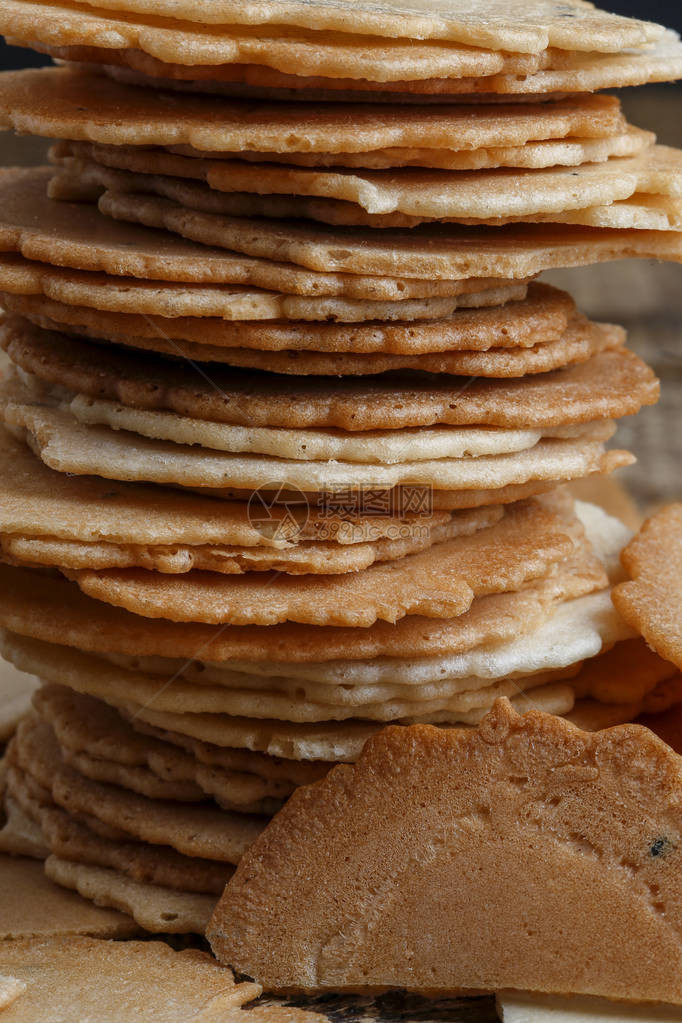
pixel 381 905
pixel 75 235
pixel 611 384
pixel 192 831
pixel 539 317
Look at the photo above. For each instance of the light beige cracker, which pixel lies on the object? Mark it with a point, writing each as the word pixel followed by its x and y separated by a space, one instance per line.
pixel 642 210
pixel 557 75
pixel 185 161
pixel 445 689
pixel 33 907
pixel 67 445
pixel 533 26
pixel 302 53
pixel 612 384
pixel 462 196
pixel 161 985
pixel 431 250
pixel 331 741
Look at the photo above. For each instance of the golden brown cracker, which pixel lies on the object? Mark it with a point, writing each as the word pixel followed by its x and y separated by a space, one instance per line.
pixel 153 908
pixel 49 102
pixel 430 250
pixel 191 830
pixel 580 342
pixel 438 583
pixel 611 384
pixel 541 317
pixel 75 235
pixel 524 757
pixel 650 599
pixel 160 983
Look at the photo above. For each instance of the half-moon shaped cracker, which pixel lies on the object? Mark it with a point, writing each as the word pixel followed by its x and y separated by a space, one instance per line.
pixel 471 860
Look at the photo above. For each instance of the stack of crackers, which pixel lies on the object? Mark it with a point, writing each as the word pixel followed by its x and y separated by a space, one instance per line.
pixel 289 416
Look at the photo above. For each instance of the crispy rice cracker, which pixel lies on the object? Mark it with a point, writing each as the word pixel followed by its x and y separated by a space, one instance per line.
pixel 56 611
pixel 73 840
pixel 147 981
pixel 303 53
pixel 423 194
pixel 37 502
pixel 75 364
pixel 398 454
pixel 533 27
pixel 67 445
pixel 651 598
pixel 567 151
pixel 153 908
pixel 438 583
pixel 507 771
pixel 557 75
pixel 580 342
pixel 75 235
pixel 332 741
pixel 82 722
pixel 170 300
pixel 446 689
pixel 613 383
pixel 192 830
pixel 50 102
pixel 540 317
pixel 147 864
pixel 642 210
pixel 188 162
pixel 33 907
pixel 93 734
pixel 304 559
pixel 431 250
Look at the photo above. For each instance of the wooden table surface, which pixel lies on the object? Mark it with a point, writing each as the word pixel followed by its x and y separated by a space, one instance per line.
pixel 644 296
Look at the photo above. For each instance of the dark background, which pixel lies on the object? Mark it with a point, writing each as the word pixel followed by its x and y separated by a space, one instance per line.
pixel 667 12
